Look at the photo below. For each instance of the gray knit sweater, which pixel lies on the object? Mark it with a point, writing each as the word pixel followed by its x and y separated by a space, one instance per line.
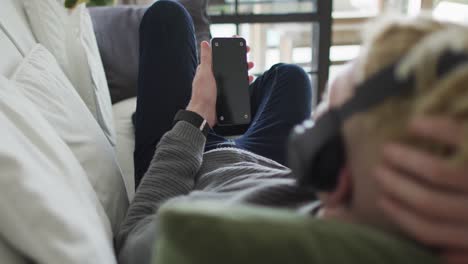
pixel 180 170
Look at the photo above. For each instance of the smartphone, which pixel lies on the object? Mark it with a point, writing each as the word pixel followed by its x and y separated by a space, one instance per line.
pixel 230 70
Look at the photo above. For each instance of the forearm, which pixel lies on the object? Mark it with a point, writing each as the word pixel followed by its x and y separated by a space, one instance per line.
pixel 171 174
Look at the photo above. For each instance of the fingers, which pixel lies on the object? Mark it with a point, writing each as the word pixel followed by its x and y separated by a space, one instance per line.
pixel 444 130
pixel 423 199
pixel 426 168
pixel 429 232
pixel 205 54
pixel 425 195
pixel 425 207
pixel 251 66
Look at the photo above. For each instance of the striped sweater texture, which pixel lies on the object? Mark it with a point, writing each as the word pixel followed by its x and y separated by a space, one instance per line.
pixel 180 170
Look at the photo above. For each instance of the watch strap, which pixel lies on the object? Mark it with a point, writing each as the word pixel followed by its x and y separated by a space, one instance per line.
pixel 194 119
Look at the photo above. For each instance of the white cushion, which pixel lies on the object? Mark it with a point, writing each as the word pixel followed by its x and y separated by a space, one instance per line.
pixel 50 212
pixel 123 112
pixel 10 255
pixel 69 35
pixel 14 23
pixel 16 37
pixel 11 56
pixel 41 80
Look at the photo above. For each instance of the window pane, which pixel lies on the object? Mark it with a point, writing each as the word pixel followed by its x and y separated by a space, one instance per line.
pixel 280 42
pixel 223 30
pixel 276 6
pixel 356 7
pixel 454 11
pixel 343 53
pixel 218 7
pixel 274 43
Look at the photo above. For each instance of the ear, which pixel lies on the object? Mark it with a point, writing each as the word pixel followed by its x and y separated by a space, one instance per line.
pixel 342 193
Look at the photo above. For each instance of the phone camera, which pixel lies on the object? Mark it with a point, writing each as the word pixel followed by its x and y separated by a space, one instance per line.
pixel 241 44
pixel 216 44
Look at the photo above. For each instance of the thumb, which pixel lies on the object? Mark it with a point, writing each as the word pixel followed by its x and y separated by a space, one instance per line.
pixel 205 54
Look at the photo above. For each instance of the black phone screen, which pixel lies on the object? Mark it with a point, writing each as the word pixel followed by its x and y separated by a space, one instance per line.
pixel 230 69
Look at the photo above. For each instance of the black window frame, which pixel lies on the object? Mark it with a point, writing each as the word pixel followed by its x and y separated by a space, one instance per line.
pixel 322 17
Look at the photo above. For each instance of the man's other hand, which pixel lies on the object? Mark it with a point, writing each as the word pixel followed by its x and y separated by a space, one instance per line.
pixel 426 195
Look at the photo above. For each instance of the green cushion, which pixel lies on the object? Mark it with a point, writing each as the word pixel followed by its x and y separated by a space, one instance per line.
pixel 212 233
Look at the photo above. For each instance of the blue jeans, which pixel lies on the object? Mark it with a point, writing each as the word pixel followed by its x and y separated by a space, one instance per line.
pixel 280 98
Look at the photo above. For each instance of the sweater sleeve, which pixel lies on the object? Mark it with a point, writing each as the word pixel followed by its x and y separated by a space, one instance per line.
pixel 171 174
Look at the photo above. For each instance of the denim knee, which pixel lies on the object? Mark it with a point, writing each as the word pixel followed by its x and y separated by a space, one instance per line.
pixel 298 80
pixel 165 12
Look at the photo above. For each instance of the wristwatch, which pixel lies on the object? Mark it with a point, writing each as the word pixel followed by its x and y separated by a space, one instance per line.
pixel 194 119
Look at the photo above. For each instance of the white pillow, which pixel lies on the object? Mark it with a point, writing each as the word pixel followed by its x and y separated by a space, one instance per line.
pixel 69 35
pixel 41 80
pixel 10 255
pixel 126 137
pixel 50 212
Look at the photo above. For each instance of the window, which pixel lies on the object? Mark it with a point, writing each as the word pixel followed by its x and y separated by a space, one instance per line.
pixel 290 31
pixel 351 8
pixel 218 7
pixel 295 31
pixel 349 16
pixel 454 11
pixel 275 42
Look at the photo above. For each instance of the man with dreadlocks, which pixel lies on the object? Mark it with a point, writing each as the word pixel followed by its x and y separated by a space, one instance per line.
pixel 420 186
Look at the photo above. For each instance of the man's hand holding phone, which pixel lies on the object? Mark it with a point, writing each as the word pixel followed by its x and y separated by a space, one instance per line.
pixel 204 90
pixel 203 101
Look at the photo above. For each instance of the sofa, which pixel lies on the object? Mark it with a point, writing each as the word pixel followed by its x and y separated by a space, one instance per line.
pixel 67 93
pixel 67 152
